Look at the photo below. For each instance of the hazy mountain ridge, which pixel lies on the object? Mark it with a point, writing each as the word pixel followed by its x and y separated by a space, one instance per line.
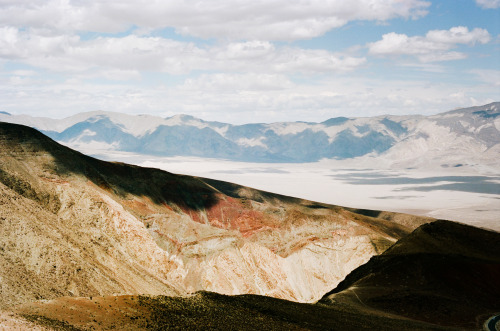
pixel 470 133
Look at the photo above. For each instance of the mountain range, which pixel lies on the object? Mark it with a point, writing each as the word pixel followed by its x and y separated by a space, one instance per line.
pixel 454 138
pixel 87 244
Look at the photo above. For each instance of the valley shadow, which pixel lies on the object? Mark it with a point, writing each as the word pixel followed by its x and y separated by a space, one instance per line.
pixel 485 187
pixel 366 212
pixel 118 178
pixel 473 184
pixel 235 191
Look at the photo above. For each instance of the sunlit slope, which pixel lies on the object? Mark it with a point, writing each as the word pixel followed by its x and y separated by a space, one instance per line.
pixel 73 225
pixel 443 276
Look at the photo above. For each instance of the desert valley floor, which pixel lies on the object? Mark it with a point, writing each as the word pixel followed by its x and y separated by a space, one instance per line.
pixel 468 194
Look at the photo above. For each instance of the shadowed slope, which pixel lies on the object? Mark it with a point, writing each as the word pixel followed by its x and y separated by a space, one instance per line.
pixel 444 273
pixel 122 179
pixel 204 311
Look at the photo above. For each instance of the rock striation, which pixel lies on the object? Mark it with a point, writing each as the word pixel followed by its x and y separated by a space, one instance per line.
pixel 443 276
pixel 72 225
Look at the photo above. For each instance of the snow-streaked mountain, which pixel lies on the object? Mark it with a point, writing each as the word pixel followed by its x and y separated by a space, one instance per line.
pixel 469 136
pixel 454 137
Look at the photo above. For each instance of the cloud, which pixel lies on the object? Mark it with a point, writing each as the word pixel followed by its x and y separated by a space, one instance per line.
pixel 132 53
pixel 435 46
pixel 64 56
pixel 222 19
pixel 427 67
pixel 243 98
pixel 231 83
pixel 262 56
pixel 488 4
pixel 490 77
pixel 459 35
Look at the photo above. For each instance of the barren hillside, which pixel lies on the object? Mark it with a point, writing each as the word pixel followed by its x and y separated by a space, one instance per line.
pixel 443 276
pixel 71 225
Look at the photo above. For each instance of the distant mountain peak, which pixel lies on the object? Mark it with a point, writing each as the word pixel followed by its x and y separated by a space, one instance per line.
pixel 335 121
pixel 407 139
pixel 183 117
pixel 494 106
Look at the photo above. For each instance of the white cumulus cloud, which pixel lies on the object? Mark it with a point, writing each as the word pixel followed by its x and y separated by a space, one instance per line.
pixel 435 46
pixel 488 4
pixel 231 83
pixel 234 20
pixel 246 101
pixel 70 53
pixel 490 77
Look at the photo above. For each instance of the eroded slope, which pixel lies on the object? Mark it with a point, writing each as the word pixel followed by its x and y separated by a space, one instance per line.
pixel 71 225
pixel 443 273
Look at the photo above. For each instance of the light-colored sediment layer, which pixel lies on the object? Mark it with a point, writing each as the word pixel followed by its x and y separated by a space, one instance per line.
pixel 10 321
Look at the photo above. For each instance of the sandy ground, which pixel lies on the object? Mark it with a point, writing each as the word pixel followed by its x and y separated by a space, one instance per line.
pixel 10 321
pixel 448 193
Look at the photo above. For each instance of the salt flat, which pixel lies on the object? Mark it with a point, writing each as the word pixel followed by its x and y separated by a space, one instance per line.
pixel 466 194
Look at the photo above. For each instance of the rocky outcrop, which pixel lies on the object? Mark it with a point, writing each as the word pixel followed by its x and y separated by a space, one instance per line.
pixel 443 273
pixel 442 276
pixel 71 225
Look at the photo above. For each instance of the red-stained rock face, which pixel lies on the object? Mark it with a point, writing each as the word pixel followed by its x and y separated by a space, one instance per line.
pixel 233 214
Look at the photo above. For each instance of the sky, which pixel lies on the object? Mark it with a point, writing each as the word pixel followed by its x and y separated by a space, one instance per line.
pixel 248 61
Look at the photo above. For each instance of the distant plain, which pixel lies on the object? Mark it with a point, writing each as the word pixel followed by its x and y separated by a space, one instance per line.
pixel 465 194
